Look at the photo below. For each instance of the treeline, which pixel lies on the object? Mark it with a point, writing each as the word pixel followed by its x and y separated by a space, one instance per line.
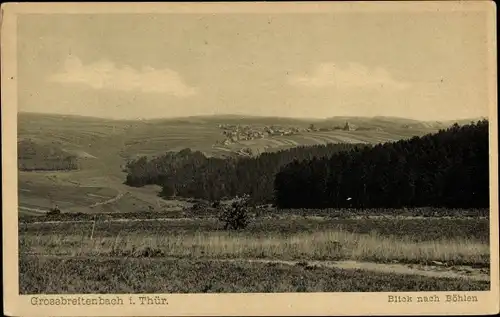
pixel 191 174
pixel 446 169
pixel 36 157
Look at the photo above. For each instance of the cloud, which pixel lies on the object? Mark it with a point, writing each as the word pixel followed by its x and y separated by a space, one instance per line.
pixel 353 76
pixel 106 75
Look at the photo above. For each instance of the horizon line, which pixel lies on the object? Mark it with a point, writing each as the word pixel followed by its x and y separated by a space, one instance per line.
pixel 243 116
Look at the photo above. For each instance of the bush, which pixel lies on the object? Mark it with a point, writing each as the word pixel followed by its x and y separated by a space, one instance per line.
pixel 235 217
pixel 54 211
pixel 199 206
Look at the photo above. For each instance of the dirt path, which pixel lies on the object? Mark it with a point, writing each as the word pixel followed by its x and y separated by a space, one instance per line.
pixel 44 211
pixel 111 220
pixel 109 201
pixel 35 210
pixel 463 272
pixel 466 272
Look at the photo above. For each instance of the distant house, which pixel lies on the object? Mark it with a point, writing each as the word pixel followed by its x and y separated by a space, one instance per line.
pixel 348 127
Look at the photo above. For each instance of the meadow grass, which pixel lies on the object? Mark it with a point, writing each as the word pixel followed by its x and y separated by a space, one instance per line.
pixel 322 245
pixel 40 275
pixel 416 230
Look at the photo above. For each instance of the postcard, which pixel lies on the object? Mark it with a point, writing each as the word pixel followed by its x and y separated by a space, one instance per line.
pixel 249 159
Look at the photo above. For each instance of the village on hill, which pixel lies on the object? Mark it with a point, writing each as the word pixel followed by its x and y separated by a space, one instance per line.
pixel 234 132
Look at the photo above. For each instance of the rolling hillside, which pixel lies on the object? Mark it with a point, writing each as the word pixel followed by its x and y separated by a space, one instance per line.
pixel 103 146
pixel 121 139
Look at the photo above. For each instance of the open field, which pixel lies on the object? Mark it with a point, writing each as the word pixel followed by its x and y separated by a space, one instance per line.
pixel 363 254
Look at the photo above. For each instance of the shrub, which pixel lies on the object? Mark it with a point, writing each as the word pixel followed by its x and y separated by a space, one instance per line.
pixel 54 211
pixel 216 204
pixel 236 216
pixel 199 206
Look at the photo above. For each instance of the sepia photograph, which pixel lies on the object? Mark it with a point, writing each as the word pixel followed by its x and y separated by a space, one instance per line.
pixel 283 153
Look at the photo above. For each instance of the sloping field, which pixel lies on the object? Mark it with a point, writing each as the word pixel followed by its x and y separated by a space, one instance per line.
pixel 69 131
pixel 44 196
pixel 87 191
pixel 122 204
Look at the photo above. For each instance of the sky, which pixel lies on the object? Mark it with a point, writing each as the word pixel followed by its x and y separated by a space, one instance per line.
pixel 426 66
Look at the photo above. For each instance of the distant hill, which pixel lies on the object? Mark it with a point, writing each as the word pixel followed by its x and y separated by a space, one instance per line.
pixel 49 118
pixel 392 122
pixel 240 119
pixel 118 140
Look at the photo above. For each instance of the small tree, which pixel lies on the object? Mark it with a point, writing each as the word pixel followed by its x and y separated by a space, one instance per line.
pixel 54 211
pixel 235 217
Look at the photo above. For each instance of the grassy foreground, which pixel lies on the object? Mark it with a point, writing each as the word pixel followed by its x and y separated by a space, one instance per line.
pixel 137 256
pixel 131 275
pixel 323 245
